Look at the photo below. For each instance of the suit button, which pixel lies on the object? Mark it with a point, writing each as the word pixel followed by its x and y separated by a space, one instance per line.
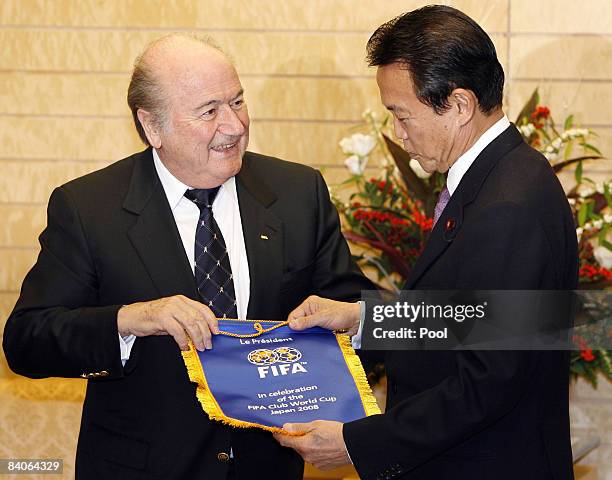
pixel 104 373
pixel 223 457
pixel 450 224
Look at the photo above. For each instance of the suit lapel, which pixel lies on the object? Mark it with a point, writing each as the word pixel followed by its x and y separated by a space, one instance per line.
pixel 263 238
pixel 154 235
pixel 449 223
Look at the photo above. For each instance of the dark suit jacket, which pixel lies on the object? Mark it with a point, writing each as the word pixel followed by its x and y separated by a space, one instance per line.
pixel 111 240
pixel 494 414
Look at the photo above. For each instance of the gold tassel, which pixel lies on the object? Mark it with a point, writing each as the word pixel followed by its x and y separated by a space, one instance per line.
pixel 353 363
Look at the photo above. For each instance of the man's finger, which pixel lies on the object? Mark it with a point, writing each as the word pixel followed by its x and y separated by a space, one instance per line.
pixel 298 428
pixel 190 323
pixel 308 321
pixel 178 333
pixel 207 316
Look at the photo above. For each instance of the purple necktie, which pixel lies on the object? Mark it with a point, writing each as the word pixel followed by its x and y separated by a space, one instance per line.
pixel 442 201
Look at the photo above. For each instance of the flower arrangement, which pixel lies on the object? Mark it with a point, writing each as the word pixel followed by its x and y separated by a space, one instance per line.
pixel 387 217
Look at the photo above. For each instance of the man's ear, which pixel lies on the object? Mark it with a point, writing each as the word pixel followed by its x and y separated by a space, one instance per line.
pixel 465 104
pixel 150 126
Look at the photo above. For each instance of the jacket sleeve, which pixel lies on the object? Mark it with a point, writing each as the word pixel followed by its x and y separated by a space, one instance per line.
pixel 486 385
pixel 57 327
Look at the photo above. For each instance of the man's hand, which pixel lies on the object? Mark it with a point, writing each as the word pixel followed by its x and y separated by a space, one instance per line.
pixel 322 443
pixel 322 312
pixel 178 316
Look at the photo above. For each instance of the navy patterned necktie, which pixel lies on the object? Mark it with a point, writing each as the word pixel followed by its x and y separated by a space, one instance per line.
pixel 213 272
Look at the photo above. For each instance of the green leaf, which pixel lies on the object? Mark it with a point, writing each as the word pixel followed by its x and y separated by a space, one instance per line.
pixel 607 193
pixel 578 173
pixel 568 122
pixel 590 147
pixel 582 214
pixel 525 114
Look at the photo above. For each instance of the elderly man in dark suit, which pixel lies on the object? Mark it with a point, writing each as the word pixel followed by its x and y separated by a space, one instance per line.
pixel 141 256
pixel 502 222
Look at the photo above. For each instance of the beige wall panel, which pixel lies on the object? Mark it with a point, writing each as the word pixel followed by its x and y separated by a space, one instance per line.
pixel 21 224
pixel 307 143
pixel 72 50
pixel 266 53
pixel 310 99
pixel 491 15
pixel 63 94
pixel 590 102
pixel 362 15
pixel 568 16
pixel 254 53
pixel 105 13
pixel 565 57
pixel 297 54
pixel 32 182
pixel 94 139
pixel 91 94
pixel 16 262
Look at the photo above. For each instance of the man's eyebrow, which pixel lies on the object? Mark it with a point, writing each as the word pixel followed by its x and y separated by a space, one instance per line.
pixel 208 104
pixel 217 102
pixel 239 94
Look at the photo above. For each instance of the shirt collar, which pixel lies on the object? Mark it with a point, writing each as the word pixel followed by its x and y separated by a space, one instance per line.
pixel 463 163
pixel 175 189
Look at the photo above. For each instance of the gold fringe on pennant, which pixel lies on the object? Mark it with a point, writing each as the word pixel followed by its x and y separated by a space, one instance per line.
pixel 370 406
pixel 207 400
pixel 212 408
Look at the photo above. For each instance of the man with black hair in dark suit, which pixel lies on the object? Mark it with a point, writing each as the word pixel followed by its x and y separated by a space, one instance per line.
pixel 502 222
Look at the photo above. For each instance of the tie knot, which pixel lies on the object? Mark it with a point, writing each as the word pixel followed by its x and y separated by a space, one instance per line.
pixel 202 197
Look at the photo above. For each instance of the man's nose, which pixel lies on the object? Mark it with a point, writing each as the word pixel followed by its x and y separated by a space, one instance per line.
pixel 230 122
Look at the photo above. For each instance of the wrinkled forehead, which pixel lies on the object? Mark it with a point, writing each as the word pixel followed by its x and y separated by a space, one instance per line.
pixel 199 74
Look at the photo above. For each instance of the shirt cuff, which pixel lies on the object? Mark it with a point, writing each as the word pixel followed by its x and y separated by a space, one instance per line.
pixel 125 347
pixel 356 339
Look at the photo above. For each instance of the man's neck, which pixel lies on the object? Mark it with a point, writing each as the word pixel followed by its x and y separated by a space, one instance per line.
pixel 478 126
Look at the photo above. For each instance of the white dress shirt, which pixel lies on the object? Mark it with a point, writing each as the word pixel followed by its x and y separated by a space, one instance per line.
pixel 186 215
pixel 455 174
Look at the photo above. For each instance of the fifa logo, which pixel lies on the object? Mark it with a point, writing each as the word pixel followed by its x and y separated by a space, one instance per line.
pixel 280 361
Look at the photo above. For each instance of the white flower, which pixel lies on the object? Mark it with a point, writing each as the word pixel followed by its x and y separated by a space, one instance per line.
pixel 418 170
pixel 599 187
pixel 579 231
pixel 571 201
pixel 358 144
pixel 527 130
pixel 550 156
pixel 607 218
pixel 603 256
pixel 598 224
pixel 355 164
pixel 557 143
pixel 586 191
pixel 574 133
